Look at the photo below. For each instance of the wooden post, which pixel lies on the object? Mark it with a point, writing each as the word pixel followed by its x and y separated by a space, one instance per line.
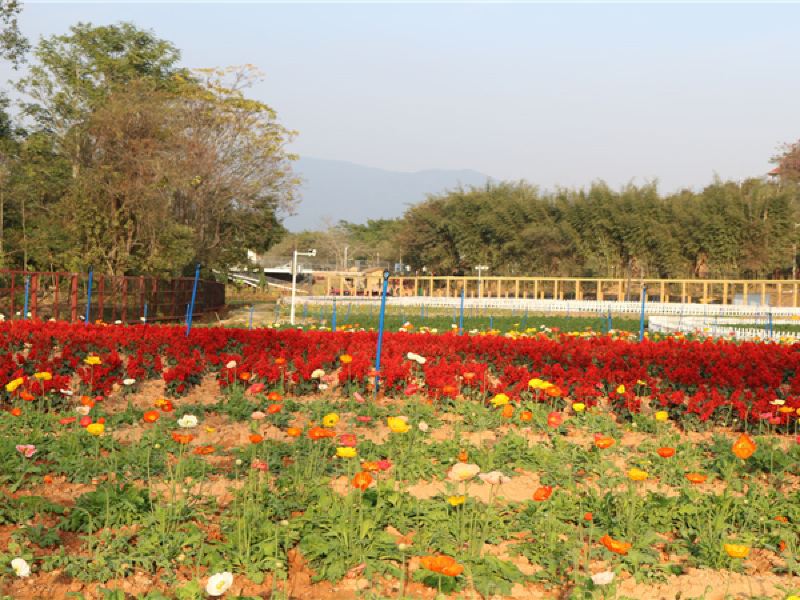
pixel 763 293
pixel 516 288
pixel 100 296
pixel 724 292
pixel 744 294
pixel 447 287
pixel 683 292
pixel 661 290
pixel 794 293
pixel 620 294
pixel 599 291
pixel 536 289
pixel 499 288
pixel 124 310
pixel 34 293
pixel 431 288
pixel 12 291
pixel 56 310
pixel 73 298
pixel 578 295
pixel 705 292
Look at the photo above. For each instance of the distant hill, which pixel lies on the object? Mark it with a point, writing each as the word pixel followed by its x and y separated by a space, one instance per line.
pixel 342 190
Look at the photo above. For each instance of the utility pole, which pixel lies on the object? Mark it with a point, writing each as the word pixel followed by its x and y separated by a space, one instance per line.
pixel 480 269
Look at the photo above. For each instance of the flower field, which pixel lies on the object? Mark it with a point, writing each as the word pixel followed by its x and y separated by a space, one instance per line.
pixel 139 463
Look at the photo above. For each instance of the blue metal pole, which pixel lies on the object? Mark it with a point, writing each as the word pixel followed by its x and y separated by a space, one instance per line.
pixel 641 315
pixel 380 330
pixel 88 298
pixel 610 323
pixel 27 293
pixel 250 325
pixel 194 297
pixel 145 313
pixel 347 314
pixel 305 311
pixel 491 323
pixel 770 324
pixel 333 316
pixel 461 315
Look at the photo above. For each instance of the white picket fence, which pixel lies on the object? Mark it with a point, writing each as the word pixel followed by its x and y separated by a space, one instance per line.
pixel 710 320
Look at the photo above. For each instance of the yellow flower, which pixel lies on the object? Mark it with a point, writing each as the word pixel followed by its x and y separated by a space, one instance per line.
pixel 95 429
pixel 536 384
pixel 640 382
pixel 621 388
pixel 456 500
pixel 637 474
pixel 463 471
pixel 736 550
pixel 579 407
pixel 500 400
pixel 14 384
pixel 662 415
pixel 397 424
pixel 330 420
pixel 346 452
pixel 92 360
pixel 43 375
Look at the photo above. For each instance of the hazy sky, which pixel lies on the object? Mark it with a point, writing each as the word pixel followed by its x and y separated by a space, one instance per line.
pixel 555 94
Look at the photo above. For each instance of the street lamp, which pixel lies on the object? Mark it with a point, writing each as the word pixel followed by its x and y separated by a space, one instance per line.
pixel 295 254
pixel 480 269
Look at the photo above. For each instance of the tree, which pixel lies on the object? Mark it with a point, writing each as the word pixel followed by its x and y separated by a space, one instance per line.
pixel 788 162
pixel 13 44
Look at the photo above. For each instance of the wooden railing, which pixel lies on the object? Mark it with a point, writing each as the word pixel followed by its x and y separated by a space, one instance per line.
pixel 766 292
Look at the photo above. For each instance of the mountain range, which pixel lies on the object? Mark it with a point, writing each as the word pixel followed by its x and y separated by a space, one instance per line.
pixel 335 190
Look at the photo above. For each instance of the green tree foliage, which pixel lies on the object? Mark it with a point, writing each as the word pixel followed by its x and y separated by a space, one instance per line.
pixel 13 44
pixel 727 230
pixel 135 165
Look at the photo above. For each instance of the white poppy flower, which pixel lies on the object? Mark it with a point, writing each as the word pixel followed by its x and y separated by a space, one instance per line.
pixel 219 583
pixel 231 364
pixel 187 422
pixel 317 373
pixel 21 567
pixel 83 410
pixel 603 578
pixel 128 381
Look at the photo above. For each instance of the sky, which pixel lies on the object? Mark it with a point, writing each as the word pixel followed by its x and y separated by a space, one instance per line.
pixel 559 95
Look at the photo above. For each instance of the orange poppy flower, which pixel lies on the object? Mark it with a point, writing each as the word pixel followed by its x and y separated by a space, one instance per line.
pixel 587 516
pixel 166 406
pixel 554 419
pixel 280 361
pixel 696 477
pixel 468 376
pixel 16 411
pixel 244 375
pixel 369 466
pixel 202 450
pixel 274 397
pixel 151 416
pixel 553 391
pixel 293 431
pixel 87 401
pixel 604 441
pixel 48 479
pixel 736 550
pixel 345 359
pixel 666 452
pixel 362 480
pixel 508 411
pixel 318 433
pixel 27 396
pixel 744 447
pixel 463 456
pixel 256 438
pixel 543 493
pixel 274 408
pixel 445 565
pixel 525 416
pixel 615 546
pixel 781 519
pixel 182 438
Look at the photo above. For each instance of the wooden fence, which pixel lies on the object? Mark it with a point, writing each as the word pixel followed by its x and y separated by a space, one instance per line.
pixel 770 292
pixel 63 296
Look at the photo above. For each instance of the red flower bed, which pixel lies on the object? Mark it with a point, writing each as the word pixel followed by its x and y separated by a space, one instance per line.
pixel 708 379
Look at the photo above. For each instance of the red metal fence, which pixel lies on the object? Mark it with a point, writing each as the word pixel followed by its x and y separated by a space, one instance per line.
pixel 63 296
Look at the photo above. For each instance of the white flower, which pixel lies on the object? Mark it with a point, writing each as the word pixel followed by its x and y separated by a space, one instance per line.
pixel 187 421
pixel 603 578
pixel 778 402
pixel 142 319
pixel 83 410
pixel 219 583
pixel 66 392
pixel 317 373
pixel 423 426
pixel 128 381
pixel 323 386
pixel 421 360
pixel 117 322
pixel 494 478
pixel 21 567
pixel 231 364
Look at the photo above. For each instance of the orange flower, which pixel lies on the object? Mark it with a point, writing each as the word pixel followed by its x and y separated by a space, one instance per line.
pixel 16 411
pixel 48 479
pixel 369 466
pixel 781 519
pixel 543 493
pixel 293 431
pixel 274 408
pixel 87 401
pixel 362 480
pixel 526 416
pixel 553 391
pixel 508 411
pixel 462 456
pixel 201 450
pixel 27 396
pixel 468 376
pixel 744 447
pixel 244 375
pixel 666 452
pixel 256 438
pixel 446 565
pixel 166 406
pixel 182 438
pixel 587 516
pixel 604 441
pixel 318 433
pixel 274 397
pixel 615 546
pixel 736 550
pixel 280 361
pixel 345 359
pixel 151 416
pixel 696 477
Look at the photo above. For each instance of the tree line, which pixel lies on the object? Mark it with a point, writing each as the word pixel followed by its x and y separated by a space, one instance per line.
pixel 119 158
